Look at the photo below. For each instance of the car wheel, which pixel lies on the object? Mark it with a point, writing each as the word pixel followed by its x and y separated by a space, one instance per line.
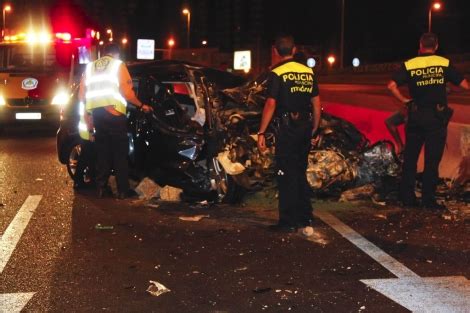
pixel 74 154
pixel 228 191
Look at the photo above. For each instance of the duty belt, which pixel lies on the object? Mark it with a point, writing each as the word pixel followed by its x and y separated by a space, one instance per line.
pixel 291 118
pixel 297 116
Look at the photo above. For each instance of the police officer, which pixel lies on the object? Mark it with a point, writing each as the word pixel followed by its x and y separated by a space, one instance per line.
pixel 106 89
pixel 293 99
pixel 428 116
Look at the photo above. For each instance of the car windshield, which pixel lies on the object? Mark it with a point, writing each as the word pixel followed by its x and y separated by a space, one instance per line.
pixel 26 57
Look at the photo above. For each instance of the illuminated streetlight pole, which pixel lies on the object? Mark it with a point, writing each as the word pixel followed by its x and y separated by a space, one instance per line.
pixel 6 8
pixel 188 13
pixel 436 6
pixel 110 32
pixel 171 43
pixel 341 55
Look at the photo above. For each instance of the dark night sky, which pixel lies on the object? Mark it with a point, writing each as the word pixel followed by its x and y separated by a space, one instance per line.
pixel 376 31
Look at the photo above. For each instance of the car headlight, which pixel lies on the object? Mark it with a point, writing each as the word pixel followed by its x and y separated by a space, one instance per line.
pixel 61 98
pixel 2 100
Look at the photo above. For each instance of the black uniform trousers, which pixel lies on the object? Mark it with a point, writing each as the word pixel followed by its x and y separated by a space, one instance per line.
pixel 292 149
pixel 423 128
pixel 112 147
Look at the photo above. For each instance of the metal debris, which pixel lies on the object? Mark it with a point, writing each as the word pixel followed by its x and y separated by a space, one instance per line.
pixel 103 227
pixel 156 289
pixel 195 218
pixel 358 193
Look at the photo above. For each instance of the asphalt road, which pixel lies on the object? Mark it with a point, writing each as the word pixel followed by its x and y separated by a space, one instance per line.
pixel 227 262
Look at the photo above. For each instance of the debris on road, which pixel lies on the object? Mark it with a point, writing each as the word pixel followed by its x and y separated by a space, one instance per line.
pixel 103 227
pixel 39 179
pixel 358 193
pixel 169 193
pixel 262 289
pixel 156 289
pixel 307 231
pixel 148 189
pixel 318 237
pixel 241 269
pixel 195 218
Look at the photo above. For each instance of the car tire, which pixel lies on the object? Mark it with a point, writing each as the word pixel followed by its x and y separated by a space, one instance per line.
pixel 73 153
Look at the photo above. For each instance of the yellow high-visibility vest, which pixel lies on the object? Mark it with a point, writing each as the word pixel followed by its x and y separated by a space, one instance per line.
pixel 82 126
pixel 102 85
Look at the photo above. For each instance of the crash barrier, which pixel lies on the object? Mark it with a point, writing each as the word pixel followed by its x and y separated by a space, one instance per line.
pixel 371 122
pixel 460 60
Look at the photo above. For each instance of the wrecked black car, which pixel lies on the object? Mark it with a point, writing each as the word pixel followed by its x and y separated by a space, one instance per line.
pixel 178 144
pixel 201 137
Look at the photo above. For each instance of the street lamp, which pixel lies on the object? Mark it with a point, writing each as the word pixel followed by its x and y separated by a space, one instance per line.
pixel 171 44
pixel 342 36
pixel 109 31
pixel 124 41
pixel 331 60
pixel 436 6
pixel 188 13
pixel 204 42
pixel 6 8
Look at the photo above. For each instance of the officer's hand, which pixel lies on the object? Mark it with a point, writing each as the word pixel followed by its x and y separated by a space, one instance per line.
pixel 262 144
pixel 314 141
pixel 315 138
pixel 146 108
pixel 92 138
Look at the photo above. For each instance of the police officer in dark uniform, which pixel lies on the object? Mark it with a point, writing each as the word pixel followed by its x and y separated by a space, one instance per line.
pixel 293 99
pixel 428 116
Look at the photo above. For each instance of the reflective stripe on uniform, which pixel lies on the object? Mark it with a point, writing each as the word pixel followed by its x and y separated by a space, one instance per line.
pixel 102 78
pixel 105 93
pixel 292 67
pixel 82 126
pixel 426 61
pixel 81 109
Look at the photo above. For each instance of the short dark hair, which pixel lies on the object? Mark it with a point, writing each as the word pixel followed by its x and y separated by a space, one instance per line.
pixel 428 40
pixel 111 48
pixel 284 45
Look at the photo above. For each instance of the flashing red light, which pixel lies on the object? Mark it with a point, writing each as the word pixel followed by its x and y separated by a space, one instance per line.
pixel 64 36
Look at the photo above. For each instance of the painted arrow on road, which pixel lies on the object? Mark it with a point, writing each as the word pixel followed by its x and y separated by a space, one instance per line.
pixel 15 302
pixel 417 294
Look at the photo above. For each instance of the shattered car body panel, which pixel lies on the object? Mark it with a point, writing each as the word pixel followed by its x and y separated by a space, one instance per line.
pixel 342 159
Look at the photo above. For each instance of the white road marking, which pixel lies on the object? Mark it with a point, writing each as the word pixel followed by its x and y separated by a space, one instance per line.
pixel 15 230
pixel 15 302
pixel 429 294
pixel 391 264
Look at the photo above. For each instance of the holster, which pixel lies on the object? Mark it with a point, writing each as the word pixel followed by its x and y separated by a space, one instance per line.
pixel 444 113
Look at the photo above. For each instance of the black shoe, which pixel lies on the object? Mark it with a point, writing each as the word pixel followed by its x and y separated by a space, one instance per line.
pixel 128 194
pixel 282 228
pixel 105 192
pixel 434 206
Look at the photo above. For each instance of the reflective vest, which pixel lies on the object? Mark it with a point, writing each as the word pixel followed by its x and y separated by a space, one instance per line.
pixel 82 126
pixel 102 85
